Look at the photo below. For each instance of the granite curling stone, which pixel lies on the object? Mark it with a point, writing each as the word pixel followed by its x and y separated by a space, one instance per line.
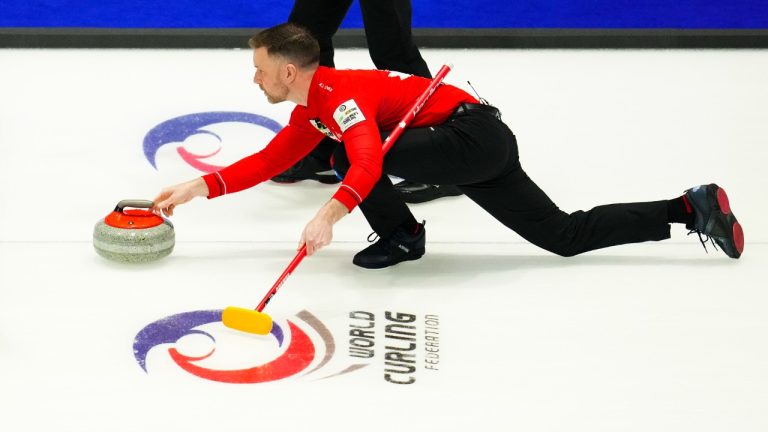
pixel 133 236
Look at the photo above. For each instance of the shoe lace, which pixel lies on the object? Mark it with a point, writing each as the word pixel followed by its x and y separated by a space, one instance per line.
pixel 703 238
pixel 372 237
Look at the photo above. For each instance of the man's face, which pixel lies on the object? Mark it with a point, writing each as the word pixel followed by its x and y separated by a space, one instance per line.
pixel 268 76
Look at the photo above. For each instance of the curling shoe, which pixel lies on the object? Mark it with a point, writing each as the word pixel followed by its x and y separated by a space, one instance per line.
pixel 398 247
pixel 714 220
pixel 309 168
pixel 415 193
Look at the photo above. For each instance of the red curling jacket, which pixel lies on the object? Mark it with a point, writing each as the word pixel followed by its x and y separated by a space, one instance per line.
pixel 350 106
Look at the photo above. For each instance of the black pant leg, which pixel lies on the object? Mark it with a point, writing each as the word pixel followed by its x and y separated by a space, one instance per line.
pixel 322 18
pixel 517 202
pixel 390 40
pixel 383 208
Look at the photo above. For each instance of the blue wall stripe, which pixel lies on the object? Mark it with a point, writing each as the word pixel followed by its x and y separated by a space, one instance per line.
pixel 545 14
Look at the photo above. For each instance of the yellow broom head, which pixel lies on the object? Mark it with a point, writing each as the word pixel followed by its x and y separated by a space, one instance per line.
pixel 247 320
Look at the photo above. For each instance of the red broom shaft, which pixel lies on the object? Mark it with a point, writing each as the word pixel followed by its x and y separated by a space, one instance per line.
pixel 436 81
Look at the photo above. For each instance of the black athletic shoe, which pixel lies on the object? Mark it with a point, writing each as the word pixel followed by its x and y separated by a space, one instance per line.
pixel 309 168
pixel 398 247
pixel 415 193
pixel 714 220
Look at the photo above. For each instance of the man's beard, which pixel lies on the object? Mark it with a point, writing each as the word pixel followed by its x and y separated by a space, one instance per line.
pixel 276 98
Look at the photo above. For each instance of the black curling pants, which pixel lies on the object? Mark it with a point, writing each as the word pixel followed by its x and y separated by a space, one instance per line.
pixel 387 31
pixel 478 153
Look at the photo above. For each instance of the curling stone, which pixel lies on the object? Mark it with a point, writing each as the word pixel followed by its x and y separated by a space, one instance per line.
pixel 133 236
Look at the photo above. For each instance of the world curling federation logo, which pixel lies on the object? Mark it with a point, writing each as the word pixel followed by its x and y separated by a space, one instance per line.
pixel 179 129
pixel 293 352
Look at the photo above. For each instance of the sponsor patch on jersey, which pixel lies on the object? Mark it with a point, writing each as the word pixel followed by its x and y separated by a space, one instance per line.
pixel 323 128
pixel 347 115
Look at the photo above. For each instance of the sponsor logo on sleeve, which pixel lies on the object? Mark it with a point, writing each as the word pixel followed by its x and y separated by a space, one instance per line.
pixel 347 115
pixel 317 124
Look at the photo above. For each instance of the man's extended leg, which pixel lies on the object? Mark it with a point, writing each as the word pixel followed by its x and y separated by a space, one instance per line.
pixel 480 154
pixel 517 202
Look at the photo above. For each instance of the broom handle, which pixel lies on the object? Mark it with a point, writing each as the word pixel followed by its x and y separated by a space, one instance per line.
pixel 436 81
pixel 287 272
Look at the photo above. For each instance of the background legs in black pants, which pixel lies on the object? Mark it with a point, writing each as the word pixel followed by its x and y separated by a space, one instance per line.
pixel 479 153
pixel 322 18
pixel 387 31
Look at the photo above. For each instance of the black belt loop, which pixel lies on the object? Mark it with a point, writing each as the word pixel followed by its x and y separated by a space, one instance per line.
pixel 466 108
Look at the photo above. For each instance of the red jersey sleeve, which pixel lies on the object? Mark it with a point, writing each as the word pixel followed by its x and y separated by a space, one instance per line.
pixel 292 143
pixel 356 119
pixel 363 145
